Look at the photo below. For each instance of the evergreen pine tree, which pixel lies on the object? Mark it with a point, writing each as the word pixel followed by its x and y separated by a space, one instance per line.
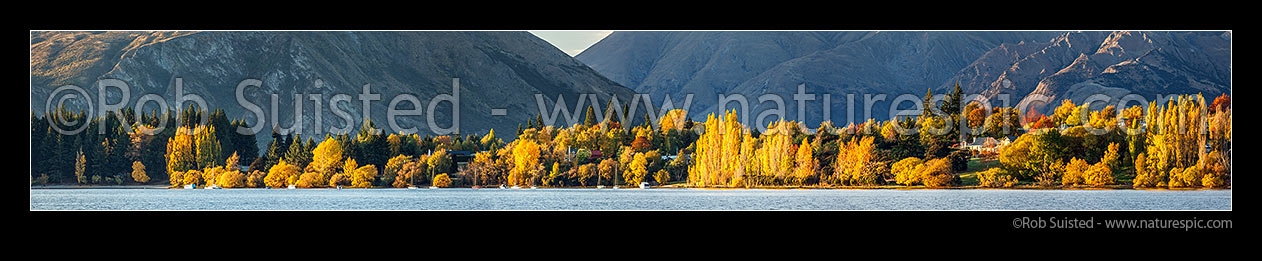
pixel 590 117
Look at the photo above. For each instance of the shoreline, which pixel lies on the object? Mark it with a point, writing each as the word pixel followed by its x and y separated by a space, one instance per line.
pixel 884 187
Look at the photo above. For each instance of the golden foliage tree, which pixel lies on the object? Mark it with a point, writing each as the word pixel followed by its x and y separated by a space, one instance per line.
pixel 281 175
pixel 937 173
pixel 907 171
pixel 364 176
pixel 1145 177
pixel 637 170
pixel 1075 172
pixel 442 181
pixel 996 178
pixel 192 177
pixel 138 172
pixel 718 155
pixel 805 169
pixel 1099 175
pixel 525 161
pixel 231 179
pixel 857 163
pixel 80 168
pixel 180 156
pixel 327 156
pixel 311 180
pixel 176 178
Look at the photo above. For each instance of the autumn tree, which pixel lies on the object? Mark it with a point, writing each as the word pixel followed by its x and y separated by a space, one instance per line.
pixel 937 173
pixel 180 153
pixel 233 163
pixel 138 172
pixel 363 177
pixel 439 162
pixel 193 177
pixel 996 178
pixel 80 168
pixel 393 168
pixel 282 174
pixel 327 156
pixel 662 177
pixel 525 161
pixel 1098 175
pixel 720 157
pixel 907 171
pixel 636 170
pixel 1075 172
pixel 231 179
pixel 805 170
pixel 442 181
pixel 858 163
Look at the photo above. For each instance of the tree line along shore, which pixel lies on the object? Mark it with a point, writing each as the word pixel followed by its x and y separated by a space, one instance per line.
pixel 1181 143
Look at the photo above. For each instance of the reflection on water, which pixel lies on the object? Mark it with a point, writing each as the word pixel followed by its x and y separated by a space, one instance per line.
pixel 624 199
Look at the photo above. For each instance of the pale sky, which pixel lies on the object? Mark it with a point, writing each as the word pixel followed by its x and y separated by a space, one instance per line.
pixel 572 42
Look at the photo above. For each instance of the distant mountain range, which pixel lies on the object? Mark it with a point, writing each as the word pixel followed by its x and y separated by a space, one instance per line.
pixel 1055 64
pixel 497 70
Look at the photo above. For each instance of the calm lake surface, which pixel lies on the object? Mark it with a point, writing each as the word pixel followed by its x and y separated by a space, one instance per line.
pixel 624 199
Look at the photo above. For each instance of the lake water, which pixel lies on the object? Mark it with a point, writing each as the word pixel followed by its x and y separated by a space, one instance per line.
pixel 625 199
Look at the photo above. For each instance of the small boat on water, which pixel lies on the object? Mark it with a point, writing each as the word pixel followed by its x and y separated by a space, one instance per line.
pixel 433 187
pixel 476 187
pixel 516 187
pixel 502 186
pixel 534 187
pixel 291 186
pixel 600 186
pixel 213 186
pixel 644 185
pixel 190 186
pixel 411 187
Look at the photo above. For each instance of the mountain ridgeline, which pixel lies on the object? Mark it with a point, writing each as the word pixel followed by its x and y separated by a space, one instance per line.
pixel 497 70
pixel 1058 65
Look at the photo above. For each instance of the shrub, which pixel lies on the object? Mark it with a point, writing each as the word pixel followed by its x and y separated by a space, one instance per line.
pixel 1074 172
pixel 907 171
pixel 1175 177
pixel 1145 178
pixel 254 179
pixel 310 180
pixel 1189 177
pixel 365 176
pixel 42 179
pixel 442 181
pixel 138 172
pixel 281 174
pixel 231 179
pixel 177 178
pixel 210 175
pixel 1099 174
pixel 662 177
pixel 192 177
pixel 996 178
pixel 937 173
